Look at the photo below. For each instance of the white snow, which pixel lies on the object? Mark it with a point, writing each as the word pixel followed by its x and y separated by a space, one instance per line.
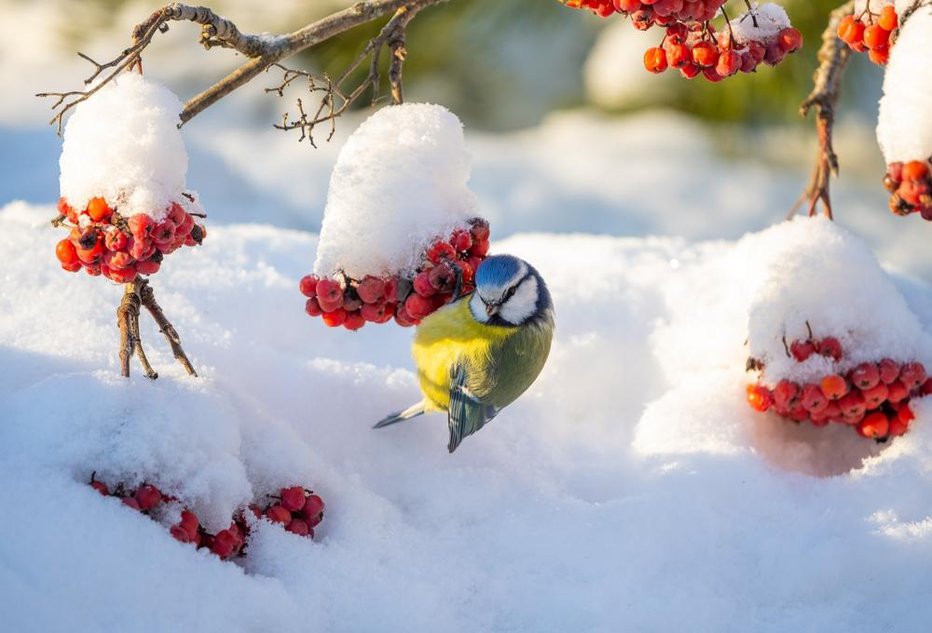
pixel 770 19
pixel 904 125
pixel 816 272
pixel 399 183
pixel 123 144
pixel 630 488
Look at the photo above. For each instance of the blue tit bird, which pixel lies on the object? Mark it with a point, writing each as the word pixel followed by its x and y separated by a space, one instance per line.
pixel 477 354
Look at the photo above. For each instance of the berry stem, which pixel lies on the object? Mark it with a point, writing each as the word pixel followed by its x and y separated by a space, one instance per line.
pixel 751 13
pixel 147 296
pixel 135 294
pixel 833 57
pixel 731 40
pixel 128 322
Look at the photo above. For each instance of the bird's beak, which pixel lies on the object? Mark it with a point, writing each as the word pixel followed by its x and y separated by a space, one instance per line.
pixel 491 309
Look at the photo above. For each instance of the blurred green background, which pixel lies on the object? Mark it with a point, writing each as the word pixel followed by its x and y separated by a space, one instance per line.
pixel 506 64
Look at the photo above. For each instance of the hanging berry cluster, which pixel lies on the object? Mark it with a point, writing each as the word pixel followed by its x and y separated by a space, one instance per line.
pixel 305 511
pixel 103 242
pixel 910 187
pixel 873 398
pixel 691 43
pixel 447 267
pixel 869 31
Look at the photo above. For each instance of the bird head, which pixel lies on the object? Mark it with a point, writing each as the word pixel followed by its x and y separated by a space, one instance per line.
pixel 509 292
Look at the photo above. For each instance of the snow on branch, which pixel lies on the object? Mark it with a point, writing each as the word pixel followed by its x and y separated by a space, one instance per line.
pixel 264 51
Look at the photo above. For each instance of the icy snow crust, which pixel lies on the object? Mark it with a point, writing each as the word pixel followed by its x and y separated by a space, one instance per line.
pixel 123 144
pixel 399 183
pixel 771 19
pixel 904 125
pixel 630 489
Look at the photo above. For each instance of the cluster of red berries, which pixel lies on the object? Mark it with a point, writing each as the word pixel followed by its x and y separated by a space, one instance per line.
pixel 447 266
pixel 694 49
pixel 299 510
pixel 103 242
pixel 691 44
pixel 304 509
pixel 646 13
pixel 873 398
pixel 870 32
pixel 910 186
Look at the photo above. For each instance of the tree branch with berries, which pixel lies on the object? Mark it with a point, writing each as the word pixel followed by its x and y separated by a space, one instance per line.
pixel 122 226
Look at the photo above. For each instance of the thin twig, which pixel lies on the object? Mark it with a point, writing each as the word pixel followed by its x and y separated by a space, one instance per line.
pixel 833 57
pixel 147 296
pixel 336 99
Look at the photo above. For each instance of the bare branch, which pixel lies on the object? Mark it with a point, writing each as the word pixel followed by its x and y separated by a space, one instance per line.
pixel 217 31
pixel 833 57
pixel 311 35
pixel 336 98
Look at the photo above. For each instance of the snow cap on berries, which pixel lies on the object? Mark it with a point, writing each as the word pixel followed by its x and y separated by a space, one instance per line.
pixel 821 274
pixel 771 19
pixel 123 144
pixel 904 126
pixel 399 183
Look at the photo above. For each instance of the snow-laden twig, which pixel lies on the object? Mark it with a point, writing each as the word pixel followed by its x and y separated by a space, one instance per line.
pixel 263 50
pixel 833 57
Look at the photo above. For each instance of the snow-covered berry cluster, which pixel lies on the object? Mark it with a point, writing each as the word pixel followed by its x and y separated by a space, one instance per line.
pixel 298 509
pixel 910 187
pixel 447 267
pixel 869 29
pixel 104 242
pixel 871 397
pixel 692 46
pixel 304 509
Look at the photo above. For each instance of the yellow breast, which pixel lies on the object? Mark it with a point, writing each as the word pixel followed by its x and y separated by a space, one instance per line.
pixel 447 337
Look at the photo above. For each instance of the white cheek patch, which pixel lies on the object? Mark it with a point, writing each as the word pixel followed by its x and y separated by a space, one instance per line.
pixel 523 304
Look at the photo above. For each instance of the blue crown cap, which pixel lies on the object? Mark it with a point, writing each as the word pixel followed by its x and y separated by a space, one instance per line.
pixel 495 270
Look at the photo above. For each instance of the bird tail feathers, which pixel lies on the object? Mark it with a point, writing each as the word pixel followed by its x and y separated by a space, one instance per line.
pixel 411 412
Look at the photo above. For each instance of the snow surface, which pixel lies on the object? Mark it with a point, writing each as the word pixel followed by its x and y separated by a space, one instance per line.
pixel 123 144
pixel 630 488
pixel 770 18
pixel 904 125
pixel 399 183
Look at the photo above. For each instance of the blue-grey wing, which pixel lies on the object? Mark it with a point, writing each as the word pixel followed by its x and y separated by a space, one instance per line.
pixel 466 413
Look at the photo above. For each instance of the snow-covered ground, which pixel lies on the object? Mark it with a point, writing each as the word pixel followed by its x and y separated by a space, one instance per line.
pixel 630 489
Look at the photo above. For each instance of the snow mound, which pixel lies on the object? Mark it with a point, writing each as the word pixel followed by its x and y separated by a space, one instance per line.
pixel 817 275
pixel 123 144
pixel 632 447
pixel 398 184
pixel 904 125
pixel 770 19
pixel 767 285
